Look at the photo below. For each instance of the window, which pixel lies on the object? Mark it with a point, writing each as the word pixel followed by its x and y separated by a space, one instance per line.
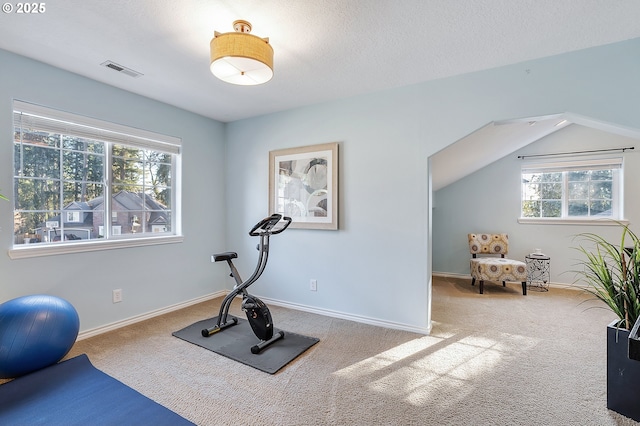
pixel 73 216
pixel 71 172
pixel 572 190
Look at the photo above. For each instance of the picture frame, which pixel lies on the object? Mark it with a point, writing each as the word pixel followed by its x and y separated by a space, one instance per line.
pixel 303 185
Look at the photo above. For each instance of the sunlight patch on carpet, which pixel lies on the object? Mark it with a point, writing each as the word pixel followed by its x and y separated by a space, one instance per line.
pixel 387 358
pixel 453 365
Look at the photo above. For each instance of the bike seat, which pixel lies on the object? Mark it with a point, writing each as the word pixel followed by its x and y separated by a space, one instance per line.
pixel 228 255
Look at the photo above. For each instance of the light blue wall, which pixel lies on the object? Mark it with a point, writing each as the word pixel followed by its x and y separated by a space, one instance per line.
pixel 489 201
pixel 377 258
pixel 376 265
pixel 151 277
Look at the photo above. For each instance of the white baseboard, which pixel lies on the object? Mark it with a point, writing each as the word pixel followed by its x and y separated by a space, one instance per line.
pixel 299 307
pixel 142 317
pixel 296 306
pixel 468 277
pixel 349 317
pixel 450 275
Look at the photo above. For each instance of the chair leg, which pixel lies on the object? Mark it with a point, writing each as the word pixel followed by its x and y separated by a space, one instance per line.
pixel 481 287
pixel 504 283
pixel 473 281
pixel 524 288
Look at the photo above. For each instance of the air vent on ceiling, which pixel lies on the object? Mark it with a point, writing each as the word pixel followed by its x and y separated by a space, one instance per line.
pixel 121 69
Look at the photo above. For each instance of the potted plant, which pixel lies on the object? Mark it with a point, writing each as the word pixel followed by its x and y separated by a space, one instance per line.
pixel 612 274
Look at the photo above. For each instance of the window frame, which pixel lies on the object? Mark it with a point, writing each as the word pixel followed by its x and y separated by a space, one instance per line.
pixel 616 163
pixel 67 123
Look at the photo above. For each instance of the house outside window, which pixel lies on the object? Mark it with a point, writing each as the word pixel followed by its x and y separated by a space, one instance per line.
pixel 589 189
pixel 71 172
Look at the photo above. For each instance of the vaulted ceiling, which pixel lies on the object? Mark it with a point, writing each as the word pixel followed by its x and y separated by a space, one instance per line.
pixel 500 138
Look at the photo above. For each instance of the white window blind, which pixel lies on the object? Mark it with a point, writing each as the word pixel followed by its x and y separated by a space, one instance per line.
pixel 575 165
pixel 55 121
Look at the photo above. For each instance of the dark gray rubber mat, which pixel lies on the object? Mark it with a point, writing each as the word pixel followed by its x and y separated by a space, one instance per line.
pixel 235 342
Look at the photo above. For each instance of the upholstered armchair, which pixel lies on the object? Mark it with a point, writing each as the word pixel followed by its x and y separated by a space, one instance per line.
pixel 489 261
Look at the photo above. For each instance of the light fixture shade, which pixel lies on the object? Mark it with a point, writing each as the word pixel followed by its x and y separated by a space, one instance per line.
pixel 241 58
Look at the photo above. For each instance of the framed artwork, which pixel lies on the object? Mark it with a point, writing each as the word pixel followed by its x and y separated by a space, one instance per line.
pixel 303 184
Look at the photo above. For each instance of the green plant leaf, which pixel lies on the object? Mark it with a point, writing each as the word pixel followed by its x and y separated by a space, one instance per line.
pixel 612 273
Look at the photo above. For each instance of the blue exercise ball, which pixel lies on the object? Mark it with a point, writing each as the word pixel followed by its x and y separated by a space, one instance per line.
pixel 35 331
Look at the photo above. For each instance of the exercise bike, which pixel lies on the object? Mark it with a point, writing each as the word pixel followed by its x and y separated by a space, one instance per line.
pixel 257 312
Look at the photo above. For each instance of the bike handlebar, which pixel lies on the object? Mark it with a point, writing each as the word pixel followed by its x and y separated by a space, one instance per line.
pixel 268 225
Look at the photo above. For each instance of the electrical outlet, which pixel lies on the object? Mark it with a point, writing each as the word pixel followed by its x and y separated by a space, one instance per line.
pixel 117 295
pixel 313 285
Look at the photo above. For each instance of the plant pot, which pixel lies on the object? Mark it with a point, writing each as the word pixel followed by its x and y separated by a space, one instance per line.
pixel 623 374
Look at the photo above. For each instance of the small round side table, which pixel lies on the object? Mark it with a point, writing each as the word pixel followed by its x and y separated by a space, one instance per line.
pixel 538 271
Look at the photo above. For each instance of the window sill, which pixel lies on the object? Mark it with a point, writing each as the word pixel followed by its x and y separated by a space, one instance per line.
pixel 53 249
pixel 561 221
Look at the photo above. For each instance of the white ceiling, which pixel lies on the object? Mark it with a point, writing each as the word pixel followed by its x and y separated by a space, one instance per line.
pixel 324 49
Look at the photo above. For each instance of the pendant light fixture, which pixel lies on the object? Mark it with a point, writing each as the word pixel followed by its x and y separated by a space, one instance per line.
pixel 241 58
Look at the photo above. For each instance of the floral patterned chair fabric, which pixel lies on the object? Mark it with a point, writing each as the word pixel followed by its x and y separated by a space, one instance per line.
pixel 491 267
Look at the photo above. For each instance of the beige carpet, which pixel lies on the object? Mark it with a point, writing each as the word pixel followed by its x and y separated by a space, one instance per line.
pixel 494 359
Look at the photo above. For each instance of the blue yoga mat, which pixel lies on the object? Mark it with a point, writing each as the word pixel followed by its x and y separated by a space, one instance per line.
pixel 74 392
